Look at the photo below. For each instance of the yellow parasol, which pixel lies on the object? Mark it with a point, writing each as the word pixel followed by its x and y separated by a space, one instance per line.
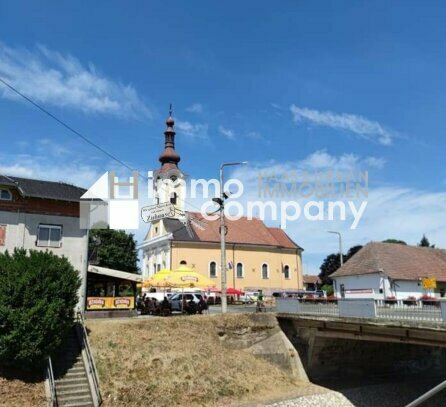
pixel 160 279
pixel 185 277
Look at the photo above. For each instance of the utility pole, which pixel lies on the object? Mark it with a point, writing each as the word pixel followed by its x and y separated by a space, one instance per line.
pixel 223 230
pixel 341 256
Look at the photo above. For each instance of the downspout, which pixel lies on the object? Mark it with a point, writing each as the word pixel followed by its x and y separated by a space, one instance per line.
pixel 233 264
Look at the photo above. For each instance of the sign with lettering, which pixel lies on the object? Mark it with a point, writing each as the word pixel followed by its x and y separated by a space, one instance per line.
pixel 359 291
pixel 429 283
pixel 156 212
pixel 97 303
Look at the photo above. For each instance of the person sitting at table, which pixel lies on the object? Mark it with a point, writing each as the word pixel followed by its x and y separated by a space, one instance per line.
pixel 202 305
pixel 192 307
pixel 165 307
pixel 185 306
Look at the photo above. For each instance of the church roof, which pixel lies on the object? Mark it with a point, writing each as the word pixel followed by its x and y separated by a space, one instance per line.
pixel 241 231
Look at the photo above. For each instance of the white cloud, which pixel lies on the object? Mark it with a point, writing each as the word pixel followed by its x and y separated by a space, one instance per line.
pixel 195 108
pixel 227 132
pixel 362 127
pixel 52 78
pixel 74 173
pixel 376 162
pixel 193 131
pixel 393 211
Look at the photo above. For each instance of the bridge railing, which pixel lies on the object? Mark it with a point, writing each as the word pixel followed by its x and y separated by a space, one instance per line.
pixel 409 310
pixel 413 310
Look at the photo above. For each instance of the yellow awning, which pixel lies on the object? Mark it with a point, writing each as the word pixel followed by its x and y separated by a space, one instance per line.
pixel 183 277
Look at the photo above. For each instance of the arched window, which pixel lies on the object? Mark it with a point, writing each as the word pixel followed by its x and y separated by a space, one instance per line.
pixel 212 269
pixel 239 270
pixel 286 272
pixel 265 271
pixel 183 262
pixel 173 198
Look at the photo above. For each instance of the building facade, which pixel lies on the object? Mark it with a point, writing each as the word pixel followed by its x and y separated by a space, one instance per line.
pixel 389 270
pixel 43 215
pixel 258 256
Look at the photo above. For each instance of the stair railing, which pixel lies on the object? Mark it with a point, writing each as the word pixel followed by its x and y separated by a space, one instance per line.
pixel 51 384
pixel 91 366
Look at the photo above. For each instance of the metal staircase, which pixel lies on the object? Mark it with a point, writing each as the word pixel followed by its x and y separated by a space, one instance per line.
pixel 75 382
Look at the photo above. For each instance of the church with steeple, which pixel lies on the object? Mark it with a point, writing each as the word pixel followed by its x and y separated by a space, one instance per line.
pixel 259 257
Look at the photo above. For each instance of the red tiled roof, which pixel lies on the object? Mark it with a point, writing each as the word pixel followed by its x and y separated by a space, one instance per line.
pixel 308 279
pixel 244 230
pixel 397 261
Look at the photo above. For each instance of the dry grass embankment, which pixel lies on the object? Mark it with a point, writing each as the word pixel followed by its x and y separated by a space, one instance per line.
pixel 21 389
pixel 181 361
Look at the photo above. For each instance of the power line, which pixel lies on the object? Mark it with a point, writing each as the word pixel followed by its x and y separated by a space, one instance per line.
pixel 42 109
pixel 68 127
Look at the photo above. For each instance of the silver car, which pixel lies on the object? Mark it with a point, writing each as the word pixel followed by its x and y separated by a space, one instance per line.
pixel 176 299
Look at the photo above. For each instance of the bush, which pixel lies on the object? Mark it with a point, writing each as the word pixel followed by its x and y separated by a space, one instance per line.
pixel 328 288
pixel 38 293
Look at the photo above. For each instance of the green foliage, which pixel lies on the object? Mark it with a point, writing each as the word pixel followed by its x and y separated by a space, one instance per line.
pixel 396 241
pixel 332 262
pixel 424 242
pixel 328 288
pixel 113 249
pixel 38 294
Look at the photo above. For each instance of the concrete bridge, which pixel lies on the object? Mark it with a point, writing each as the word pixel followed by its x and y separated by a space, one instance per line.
pixel 350 338
pixel 412 322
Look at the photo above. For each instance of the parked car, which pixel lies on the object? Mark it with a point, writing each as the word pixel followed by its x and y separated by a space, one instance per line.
pixel 176 299
pixel 248 298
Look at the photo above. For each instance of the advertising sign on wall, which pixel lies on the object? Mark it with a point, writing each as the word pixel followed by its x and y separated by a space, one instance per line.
pixel 100 303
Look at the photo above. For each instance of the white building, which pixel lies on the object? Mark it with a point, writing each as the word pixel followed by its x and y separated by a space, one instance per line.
pixel 383 270
pixel 43 215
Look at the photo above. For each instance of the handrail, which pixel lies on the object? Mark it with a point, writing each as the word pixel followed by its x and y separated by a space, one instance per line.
pixel 51 383
pixel 426 396
pixel 89 355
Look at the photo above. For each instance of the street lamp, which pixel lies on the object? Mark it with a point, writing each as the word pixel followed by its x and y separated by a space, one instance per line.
pixel 340 245
pixel 221 202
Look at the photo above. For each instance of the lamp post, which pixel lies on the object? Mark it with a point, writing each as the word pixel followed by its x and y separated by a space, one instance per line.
pixel 341 256
pixel 221 202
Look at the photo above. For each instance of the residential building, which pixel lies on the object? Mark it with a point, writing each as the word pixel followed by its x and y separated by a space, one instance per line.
pixel 311 282
pixel 382 270
pixel 258 256
pixel 43 215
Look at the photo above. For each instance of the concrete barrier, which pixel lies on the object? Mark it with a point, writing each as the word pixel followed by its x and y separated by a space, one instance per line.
pixel 357 308
pixel 288 305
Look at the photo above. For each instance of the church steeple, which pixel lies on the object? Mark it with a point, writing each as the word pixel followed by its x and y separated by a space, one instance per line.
pixel 169 158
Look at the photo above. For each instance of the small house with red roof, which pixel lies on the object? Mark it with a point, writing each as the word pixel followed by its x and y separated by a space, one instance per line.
pixel 390 270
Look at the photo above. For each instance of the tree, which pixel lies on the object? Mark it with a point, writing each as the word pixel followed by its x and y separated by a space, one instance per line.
pixel 396 241
pixel 38 294
pixel 424 242
pixel 333 261
pixel 113 249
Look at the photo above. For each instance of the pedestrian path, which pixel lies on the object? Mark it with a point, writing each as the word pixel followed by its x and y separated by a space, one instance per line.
pixel 329 399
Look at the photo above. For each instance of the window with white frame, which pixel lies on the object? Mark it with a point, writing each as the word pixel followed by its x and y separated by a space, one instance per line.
pixel 239 270
pixel 49 236
pixel 212 269
pixel 265 271
pixel 286 272
pixel 5 195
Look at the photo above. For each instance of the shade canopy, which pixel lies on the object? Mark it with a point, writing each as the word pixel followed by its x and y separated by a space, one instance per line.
pixel 160 279
pixel 183 277
pixel 233 291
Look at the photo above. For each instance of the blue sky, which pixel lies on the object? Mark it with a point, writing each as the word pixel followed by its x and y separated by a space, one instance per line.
pixel 281 84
